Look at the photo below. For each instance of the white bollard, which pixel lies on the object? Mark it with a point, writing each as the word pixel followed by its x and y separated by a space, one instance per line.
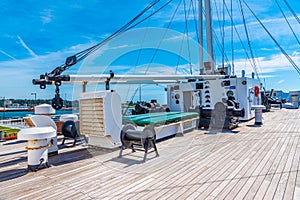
pixel 37 145
pixel 45 110
pixel 258 113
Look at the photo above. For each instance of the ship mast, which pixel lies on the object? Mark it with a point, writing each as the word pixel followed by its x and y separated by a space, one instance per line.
pixel 210 65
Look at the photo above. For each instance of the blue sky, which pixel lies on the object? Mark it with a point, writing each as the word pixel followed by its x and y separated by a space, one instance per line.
pixel 36 36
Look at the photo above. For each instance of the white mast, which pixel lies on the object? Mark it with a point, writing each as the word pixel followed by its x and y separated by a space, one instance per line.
pixel 209 35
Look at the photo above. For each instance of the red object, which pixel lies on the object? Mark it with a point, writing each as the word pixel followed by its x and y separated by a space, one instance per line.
pixel 256 91
pixel 10 138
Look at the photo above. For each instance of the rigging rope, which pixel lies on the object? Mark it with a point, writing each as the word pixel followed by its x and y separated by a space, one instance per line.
pixel 167 29
pixel 223 37
pixel 232 46
pixel 149 15
pixel 90 50
pixel 186 31
pixel 248 39
pixel 287 21
pixel 218 16
pixel 134 69
pixel 292 11
pixel 220 46
pixel 195 20
pixel 275 41
pixel 72 60
pixel 239 37
pixel 181 47
pixel 180 50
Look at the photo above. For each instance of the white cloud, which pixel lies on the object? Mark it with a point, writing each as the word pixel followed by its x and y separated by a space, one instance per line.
pixel 273 63
pixel 26 47
pixel 46 16
pixel 281 81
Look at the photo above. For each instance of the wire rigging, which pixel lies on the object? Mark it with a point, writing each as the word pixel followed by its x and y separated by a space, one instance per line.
pixel 248 40
pixel 90 50
pixel 72 60
pixel 181 48
pixel 186 31
pixel 232 36
pixel 287 21
pixel 134 69
pixel 223 36
pixel 292 11
pixel 220 46
pixel 274 40
pixel 163 6
pixel 239 37
pixel 195 19
pixel 218 16
pixel 165 32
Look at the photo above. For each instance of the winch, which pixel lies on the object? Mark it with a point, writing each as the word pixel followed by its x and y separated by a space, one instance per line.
pixel 134 139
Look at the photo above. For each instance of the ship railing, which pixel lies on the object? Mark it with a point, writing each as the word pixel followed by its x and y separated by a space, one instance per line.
pixel 18 122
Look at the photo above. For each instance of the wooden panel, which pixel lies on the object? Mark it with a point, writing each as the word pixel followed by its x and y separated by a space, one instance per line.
pixel 92 116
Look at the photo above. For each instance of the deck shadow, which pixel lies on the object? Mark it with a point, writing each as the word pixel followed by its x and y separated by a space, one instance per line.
pixel 214 132
pixel 131 158
pixel 253 125
pixel 128 161
pixel 15 142
pixel 12 174
pixel 69 157
pixel 16 152
pixel 14 162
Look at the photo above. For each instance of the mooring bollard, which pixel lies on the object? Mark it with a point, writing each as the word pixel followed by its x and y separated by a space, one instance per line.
pixel 258 113
pixel 37 145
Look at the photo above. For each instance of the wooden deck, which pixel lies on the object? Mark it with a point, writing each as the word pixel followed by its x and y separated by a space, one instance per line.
pixel 247 163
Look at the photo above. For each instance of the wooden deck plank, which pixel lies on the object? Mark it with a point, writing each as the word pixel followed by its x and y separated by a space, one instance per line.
pixel 286 172
pixel 222 174
pixel 232 178
pixel 247 164
pixel 175 170
pixel 189 170
pixel 261 186
pixel 250 170
pixel 266 182
pixel 259 180
pixel 296 194
pixel 275 174
pixel 204 186
pixel 209 169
